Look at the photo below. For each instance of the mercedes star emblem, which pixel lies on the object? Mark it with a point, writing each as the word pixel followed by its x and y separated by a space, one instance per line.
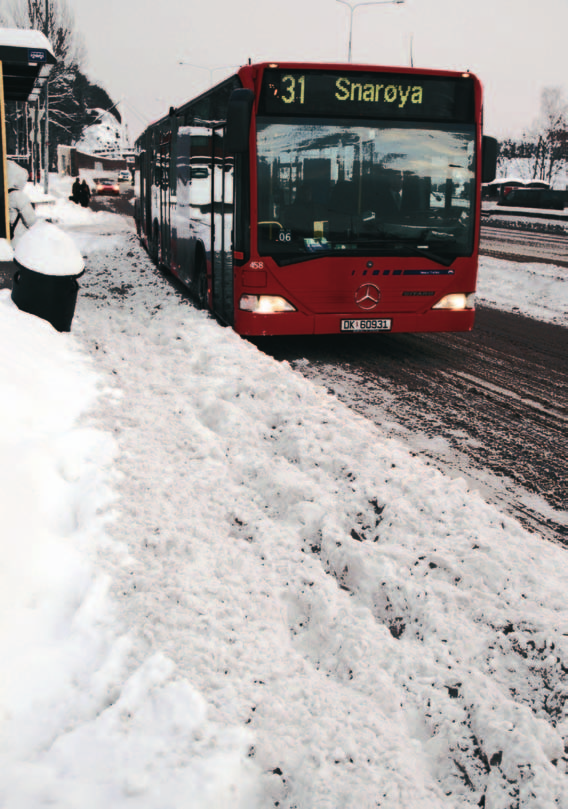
pixel 367 296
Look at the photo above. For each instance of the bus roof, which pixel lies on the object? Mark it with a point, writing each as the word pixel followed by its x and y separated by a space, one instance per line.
pixel 353 66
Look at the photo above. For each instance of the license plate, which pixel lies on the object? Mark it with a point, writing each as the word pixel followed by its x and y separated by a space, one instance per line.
pixel 367 324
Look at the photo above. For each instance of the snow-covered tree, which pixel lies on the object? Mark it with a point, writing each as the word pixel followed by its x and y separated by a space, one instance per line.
pixel 550 135
pixel 542 152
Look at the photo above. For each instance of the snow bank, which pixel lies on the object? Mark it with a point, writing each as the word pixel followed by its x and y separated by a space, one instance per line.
pixel 538 290
pixel 79 723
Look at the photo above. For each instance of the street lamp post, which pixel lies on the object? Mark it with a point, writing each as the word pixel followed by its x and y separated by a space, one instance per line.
pixel 353 6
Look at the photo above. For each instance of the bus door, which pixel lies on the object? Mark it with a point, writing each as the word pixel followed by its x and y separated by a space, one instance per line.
pixel 222 170
pixel 165 154
pixel 145 210
pixel 4 212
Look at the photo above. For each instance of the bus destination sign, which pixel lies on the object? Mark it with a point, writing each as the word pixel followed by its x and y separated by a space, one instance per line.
pixel 367 95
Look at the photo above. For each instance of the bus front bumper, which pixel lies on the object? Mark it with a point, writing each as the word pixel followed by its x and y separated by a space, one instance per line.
pixel 295 323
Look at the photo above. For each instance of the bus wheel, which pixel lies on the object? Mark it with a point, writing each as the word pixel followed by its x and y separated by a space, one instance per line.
pixel 201 284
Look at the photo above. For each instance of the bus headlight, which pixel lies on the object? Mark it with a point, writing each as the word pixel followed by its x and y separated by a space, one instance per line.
pixel 457 300
pixel 265 304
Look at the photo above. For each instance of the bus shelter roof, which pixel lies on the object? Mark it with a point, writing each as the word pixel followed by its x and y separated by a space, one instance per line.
pixel 27 60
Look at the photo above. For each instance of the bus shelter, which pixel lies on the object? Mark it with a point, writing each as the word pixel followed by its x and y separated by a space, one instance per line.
pixel 26 60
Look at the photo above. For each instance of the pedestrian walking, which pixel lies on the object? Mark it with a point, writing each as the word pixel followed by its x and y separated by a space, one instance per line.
pixel 85 194
pixel 76 191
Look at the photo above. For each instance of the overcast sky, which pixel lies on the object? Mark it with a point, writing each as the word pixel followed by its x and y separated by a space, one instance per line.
pixel 516 47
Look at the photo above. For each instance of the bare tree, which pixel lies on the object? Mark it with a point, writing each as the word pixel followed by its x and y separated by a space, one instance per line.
pixel 550 135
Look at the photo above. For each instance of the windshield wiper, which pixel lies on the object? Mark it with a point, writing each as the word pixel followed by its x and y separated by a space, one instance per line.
pixel 424 250
pixel 360 244
pixel 401 245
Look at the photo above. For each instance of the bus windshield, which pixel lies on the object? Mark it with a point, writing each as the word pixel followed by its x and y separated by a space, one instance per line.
pixel 364 188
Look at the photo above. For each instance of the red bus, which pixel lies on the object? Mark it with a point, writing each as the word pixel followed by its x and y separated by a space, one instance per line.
pixel 297 198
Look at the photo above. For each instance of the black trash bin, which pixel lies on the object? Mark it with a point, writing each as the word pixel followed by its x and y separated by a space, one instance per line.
pixel 47 268
pixel 51 297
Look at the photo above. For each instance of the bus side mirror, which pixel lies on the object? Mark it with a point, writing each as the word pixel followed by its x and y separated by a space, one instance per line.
pixel 238 121
pixel 489 152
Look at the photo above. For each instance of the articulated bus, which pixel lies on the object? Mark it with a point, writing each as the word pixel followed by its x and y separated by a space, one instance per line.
pixel 298 198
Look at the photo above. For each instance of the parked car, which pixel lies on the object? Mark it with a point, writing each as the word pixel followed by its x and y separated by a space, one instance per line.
pixel 124 175
pixel 107 185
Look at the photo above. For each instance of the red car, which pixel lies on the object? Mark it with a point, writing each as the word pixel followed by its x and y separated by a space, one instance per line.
pixel 106 185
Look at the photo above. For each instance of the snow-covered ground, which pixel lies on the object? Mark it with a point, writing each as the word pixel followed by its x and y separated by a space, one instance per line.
pixel 220 587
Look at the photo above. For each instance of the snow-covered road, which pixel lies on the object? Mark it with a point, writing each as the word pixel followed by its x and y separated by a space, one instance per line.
pixel 242 593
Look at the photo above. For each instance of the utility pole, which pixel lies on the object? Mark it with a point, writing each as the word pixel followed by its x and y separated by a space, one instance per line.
pixel 46 122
